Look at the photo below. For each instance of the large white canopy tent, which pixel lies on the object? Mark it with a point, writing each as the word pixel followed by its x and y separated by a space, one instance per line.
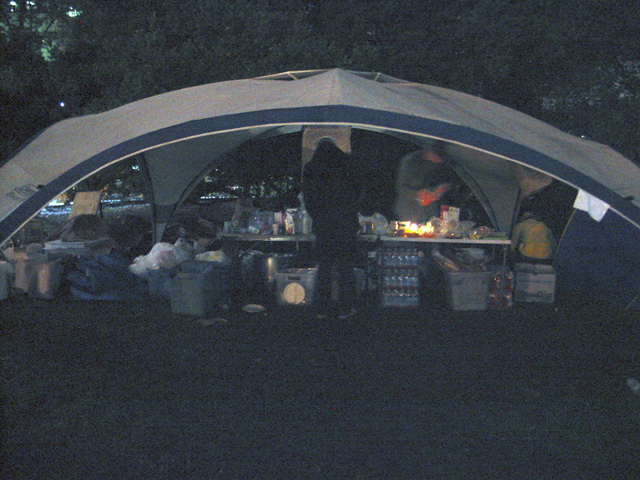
pixel 179 136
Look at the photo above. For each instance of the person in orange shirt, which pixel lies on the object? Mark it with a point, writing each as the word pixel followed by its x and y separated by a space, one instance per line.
pixel 423 179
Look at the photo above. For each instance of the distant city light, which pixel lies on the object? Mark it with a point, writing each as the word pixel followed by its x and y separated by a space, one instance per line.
pixel 13 5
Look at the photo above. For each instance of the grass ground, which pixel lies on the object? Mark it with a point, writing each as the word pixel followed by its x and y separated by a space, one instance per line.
pixel 106 390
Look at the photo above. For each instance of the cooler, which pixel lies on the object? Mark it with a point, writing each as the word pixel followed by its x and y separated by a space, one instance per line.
pixel 296 286
pixel 534 283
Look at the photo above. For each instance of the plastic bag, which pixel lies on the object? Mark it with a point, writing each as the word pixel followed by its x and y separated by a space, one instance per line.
pixel 378 221
pixel 241 215
pixel 480 232
pixel 445 263
pixel 466 227
pixel 260 223
pixel 162 255
pixel 214 256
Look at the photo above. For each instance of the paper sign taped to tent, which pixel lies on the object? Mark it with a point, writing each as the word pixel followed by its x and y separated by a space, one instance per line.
pixel 312 135
pixel 85 203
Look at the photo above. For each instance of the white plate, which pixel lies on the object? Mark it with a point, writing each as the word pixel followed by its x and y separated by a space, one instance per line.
pixel 253 308
pixel 211 321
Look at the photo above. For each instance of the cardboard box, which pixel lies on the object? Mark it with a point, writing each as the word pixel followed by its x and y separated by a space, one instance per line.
pixel 467 290
pixel 85 203
pixel 39 279
pixel 198 287
pixel 296 286
pixel 534 283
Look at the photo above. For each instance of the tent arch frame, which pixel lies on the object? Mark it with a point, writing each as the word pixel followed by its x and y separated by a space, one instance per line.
pixel 346 102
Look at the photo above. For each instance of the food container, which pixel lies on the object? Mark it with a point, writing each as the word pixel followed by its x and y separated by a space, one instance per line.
pixel 39 279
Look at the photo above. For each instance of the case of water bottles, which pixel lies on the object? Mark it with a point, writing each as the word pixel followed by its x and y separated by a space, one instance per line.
pixel 399 276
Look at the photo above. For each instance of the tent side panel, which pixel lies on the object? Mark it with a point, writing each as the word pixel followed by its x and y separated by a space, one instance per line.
pixel 599 259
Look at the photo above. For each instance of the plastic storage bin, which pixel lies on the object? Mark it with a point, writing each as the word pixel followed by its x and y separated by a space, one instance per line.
pixel 468 290
pixel 534 283
pixel 6 279
pixel 159 283
pixel 198 287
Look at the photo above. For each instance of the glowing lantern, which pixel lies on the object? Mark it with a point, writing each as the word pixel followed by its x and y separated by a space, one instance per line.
pixel 412 229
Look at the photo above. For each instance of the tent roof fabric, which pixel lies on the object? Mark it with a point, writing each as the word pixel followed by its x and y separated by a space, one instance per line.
pixel 185 130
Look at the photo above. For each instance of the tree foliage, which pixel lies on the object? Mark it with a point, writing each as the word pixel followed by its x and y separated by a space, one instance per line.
pixel 574 64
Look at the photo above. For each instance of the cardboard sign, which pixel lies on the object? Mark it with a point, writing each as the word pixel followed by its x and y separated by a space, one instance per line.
pixel 312 135
pixel 85 203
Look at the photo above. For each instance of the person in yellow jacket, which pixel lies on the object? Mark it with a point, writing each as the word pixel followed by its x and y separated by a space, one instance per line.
pixel 532 240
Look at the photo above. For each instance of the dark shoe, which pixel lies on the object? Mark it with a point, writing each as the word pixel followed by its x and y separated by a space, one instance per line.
pixel 348 314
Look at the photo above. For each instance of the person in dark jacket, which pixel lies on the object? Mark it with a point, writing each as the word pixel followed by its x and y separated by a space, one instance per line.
pixel 331 190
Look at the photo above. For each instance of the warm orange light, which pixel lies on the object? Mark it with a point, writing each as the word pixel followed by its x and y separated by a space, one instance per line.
pixel 426 230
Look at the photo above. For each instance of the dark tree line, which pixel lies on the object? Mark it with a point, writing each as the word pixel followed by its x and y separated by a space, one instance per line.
pixel 572 63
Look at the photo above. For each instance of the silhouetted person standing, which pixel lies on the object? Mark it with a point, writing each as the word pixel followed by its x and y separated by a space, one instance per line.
pixel 331 191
